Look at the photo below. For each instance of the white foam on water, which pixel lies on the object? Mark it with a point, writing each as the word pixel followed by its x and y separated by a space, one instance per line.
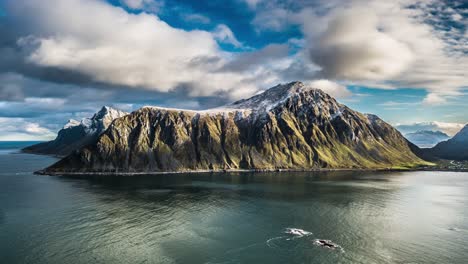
pixel 297 232
pixel 271 242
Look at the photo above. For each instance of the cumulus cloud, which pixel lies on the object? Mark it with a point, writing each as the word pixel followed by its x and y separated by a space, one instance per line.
pixel 353 48
pixel 382 44
pixel 224 34
pixel 448 128
pixel 273 19
pixel 332 88
pixel 145 52
pixel 389 43
pixel 22 129
pixel 434 99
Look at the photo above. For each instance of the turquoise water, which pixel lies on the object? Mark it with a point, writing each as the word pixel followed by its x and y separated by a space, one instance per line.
pixel 400 217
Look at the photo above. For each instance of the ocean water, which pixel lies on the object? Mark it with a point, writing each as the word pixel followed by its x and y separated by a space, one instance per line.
pixel 397 217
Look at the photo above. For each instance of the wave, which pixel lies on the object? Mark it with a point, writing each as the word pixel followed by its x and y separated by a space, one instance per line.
pixel 297 232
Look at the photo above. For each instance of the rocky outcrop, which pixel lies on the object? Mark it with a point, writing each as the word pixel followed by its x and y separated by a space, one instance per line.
pixel 289 126
pixel 77 134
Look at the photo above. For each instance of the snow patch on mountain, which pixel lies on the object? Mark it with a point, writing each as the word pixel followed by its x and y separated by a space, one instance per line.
pixel 98 122
pixel 71 123
pixel 262 102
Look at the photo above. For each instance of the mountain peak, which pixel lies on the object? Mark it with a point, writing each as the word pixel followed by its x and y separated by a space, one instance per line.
pixel 276 95
pixel 291 88
pixel 108 111
pixel 98 122
pixel 266 100
pixel 75 134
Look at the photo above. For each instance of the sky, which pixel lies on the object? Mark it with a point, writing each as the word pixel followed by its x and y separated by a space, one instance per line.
pixel 404 60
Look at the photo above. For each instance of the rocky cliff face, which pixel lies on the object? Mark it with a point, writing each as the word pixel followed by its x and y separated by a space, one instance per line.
pixel 289 126
pixel 76 134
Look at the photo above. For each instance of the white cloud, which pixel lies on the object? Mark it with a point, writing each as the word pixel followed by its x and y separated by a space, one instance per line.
pixel 224 34
pixel 272 19
pixel 22 129
pixel 45 102
pixel 145 52
pixel 434 99
pixel 448 128
pixel 332 88
pixel 35 128
pixel 457 17
pixel 353 48
pixel 382 44
pixel 135 4
pixel 376 43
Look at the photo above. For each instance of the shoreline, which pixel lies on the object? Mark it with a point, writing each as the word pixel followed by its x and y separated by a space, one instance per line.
pixel 46 173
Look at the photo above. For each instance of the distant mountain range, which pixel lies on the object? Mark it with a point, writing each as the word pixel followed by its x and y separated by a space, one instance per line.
pixel 426 138
pixel 290 126
pixel 76 134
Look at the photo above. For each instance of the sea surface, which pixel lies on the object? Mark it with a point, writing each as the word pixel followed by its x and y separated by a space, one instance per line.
pixel 392 217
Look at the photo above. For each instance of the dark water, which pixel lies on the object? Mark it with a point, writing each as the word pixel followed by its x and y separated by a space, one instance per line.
pixel 410 217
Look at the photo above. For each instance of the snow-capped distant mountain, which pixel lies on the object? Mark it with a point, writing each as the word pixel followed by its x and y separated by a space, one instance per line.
pixel 426 138
pixel 448 128
pixel 76 134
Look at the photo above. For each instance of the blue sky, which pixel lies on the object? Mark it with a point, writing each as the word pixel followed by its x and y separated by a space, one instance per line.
pixel 404 60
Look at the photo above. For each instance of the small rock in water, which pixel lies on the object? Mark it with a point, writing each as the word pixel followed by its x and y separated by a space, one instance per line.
pixel 297 232
pixel 326 244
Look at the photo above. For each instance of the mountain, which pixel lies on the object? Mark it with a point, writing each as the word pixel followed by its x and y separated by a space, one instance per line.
pixel 76 134
pixel 455 148
pixel 426 138
pixel 290 126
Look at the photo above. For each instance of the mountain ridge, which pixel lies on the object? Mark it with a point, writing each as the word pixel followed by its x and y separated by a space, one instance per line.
pixel 455 148
pixel 290 126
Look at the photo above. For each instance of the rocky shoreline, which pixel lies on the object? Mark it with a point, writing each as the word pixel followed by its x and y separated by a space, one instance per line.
pixel 43 172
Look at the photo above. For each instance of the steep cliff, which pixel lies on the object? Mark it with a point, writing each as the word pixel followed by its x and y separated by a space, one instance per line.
pixel 289 126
